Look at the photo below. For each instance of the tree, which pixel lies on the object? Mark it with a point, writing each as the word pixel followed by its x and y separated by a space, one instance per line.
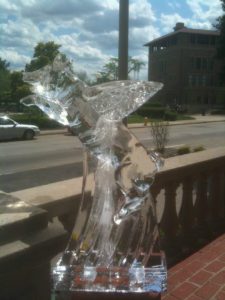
pixel 110 69
pixel 4 82
pixel 135 66
pixel 221 44
pixel 44 53
pixel 19 88
pixel 83 76
pixel 160 134
pixel 4 65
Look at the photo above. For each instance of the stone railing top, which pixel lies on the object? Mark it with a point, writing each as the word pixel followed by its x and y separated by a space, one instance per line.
pixel 17 216
pixel 58 198
pixel 190 164
pixel 53 196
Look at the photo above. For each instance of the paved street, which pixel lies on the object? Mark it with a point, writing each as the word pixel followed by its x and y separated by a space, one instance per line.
pixel 51 158
pixel 209 135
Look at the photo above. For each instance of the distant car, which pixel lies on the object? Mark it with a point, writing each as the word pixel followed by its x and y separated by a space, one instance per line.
pixel 10 129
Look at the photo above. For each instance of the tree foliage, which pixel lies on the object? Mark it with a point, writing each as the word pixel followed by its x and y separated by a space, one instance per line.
pixel 221 44
pixel 4 65
pixel 19 88
pixel 44 53
pixel 12 86
pixel 4 81
pixel 110 72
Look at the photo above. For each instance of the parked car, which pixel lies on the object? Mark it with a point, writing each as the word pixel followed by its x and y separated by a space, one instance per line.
pixel 10 129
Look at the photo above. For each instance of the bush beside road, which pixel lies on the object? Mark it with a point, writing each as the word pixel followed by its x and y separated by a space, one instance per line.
pixel 49 126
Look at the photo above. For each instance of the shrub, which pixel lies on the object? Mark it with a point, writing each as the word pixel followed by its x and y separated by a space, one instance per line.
pixel 153 104
pixel 218 112
pixel 152 112
pixel 160 134
pixel 170 116
pixel 198 148
pixel 42 122
pixel 183 150
pixel 135 118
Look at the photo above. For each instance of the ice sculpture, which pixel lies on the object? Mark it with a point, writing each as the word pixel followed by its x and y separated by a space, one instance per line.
pixel 114 245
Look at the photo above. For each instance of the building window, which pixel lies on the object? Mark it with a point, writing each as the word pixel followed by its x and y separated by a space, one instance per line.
pixel 204 80
pixel 204 63
pixel 203 39
pixel 213 40
pixel 162 66
pixel 206 100
pixel 190 80
pixel 201 63
pixel 199 99
pixel 173 40
pixel 198 63
pixel 193 38
pixel 210 64
pixel 195 80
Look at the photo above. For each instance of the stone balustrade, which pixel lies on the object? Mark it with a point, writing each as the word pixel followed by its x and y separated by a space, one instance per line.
pixel 189 193
pixel 190 197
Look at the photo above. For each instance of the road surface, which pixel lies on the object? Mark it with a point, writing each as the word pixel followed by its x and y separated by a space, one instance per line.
pixel 51 158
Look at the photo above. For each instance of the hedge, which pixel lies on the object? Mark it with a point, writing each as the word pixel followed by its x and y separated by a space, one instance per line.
pixel 218 112
pixel 42 122
pixel 152 112
pixel 170 116
pixel 157 113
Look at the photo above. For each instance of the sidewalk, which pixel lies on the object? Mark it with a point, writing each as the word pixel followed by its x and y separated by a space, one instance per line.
pixel 198 119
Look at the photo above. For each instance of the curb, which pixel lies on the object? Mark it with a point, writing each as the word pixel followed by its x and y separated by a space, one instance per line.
pixel 178 123
pixel 53 132
pixel 136 126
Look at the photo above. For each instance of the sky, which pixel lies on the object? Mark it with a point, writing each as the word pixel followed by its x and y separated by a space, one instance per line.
pixel 87 30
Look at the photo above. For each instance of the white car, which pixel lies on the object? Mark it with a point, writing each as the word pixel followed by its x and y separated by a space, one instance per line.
pixel 10 129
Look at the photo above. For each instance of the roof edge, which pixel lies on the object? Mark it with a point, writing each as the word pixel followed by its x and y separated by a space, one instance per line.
pixel 185 30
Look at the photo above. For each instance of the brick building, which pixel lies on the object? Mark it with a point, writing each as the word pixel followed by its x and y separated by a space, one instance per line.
pixel 184 60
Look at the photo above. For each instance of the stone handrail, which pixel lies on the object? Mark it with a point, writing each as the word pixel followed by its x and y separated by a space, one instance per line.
pixel 189 193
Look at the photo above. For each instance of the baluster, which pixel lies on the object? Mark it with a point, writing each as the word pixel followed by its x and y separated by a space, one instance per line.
pixel 186 215
pixel 223 192
pixel 215 199
pixel 201 204
pixel 169 223
pixel 155 190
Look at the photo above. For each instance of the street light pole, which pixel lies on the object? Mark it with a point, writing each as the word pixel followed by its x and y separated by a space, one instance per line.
pixel 123 39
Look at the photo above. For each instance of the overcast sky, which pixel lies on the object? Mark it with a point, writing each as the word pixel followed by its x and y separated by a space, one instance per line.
pixel 88 29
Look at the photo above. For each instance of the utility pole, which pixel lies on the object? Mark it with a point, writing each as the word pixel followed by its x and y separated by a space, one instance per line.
pixel 123 39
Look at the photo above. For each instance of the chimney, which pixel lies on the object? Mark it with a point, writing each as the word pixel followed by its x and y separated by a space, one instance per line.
pixel 179 26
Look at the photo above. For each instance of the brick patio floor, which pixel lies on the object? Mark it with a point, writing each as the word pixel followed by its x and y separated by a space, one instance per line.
pixel 200 276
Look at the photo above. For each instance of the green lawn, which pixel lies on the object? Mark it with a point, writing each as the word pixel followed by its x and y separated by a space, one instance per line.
pixel 134 118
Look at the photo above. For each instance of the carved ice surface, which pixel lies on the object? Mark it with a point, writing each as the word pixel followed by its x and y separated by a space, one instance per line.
pixel 114 245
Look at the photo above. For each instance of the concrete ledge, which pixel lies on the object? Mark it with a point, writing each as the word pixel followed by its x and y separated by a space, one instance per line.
pixel 18 217
pixel 191 164
pixel 32 246
pixel 25 272
pixel 56 198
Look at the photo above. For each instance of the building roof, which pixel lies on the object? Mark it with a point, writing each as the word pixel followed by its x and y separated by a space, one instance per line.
pixel 184 30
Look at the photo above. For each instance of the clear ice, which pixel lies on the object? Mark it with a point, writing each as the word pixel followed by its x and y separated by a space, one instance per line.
pixel 114 245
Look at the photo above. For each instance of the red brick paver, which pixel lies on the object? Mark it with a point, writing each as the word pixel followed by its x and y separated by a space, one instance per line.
pixel 200 276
